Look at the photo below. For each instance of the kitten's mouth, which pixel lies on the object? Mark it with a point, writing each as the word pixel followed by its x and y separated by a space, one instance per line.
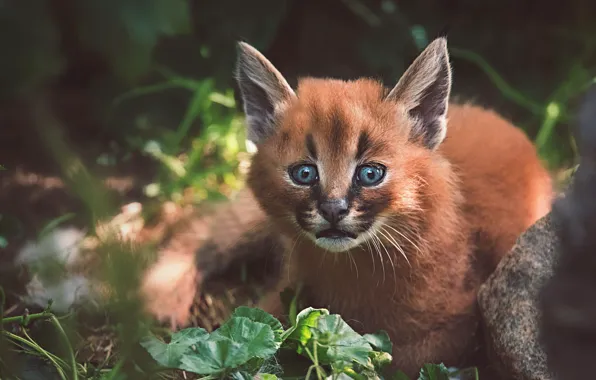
pixel 334 233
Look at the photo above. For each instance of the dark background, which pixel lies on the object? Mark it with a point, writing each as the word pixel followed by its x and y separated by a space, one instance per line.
pixel 86 52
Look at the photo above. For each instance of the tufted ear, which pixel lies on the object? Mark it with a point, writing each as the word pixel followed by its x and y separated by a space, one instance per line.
pixel 424 91
pixel 263 89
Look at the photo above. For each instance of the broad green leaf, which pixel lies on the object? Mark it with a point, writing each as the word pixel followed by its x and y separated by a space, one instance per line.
pixel 400 375
pixel 305 321
pixel 215 356
pixel 258 315
pixel 434 372
pixel 256 338
pixel 169 355
pixel 470 373
pixel 265 376
pixel 243 375
pixel 349 376
pixel 340 342
pixel 379 341
pixel 380 359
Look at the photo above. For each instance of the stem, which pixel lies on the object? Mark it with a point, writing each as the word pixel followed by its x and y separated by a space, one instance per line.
pixel 116 369
pixel 192 112
pixel 43 352
pixel 314 358
pixel 321 376
pixel 21 319
pixel 551 117
pixel 37 348
pixel 73 363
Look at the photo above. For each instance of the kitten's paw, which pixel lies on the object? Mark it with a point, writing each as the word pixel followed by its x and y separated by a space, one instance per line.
pixel 169 289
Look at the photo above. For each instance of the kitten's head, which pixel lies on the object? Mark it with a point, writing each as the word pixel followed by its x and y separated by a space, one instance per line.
pixel 338 159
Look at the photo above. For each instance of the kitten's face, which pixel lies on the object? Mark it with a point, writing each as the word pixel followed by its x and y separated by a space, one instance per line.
pixel 334 170
pixel 338 161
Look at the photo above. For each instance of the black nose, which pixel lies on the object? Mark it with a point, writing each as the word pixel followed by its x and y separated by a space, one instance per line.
pixel 333 210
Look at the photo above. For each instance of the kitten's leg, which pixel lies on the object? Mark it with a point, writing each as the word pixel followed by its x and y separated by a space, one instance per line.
pixel 454 345
pixel 272 302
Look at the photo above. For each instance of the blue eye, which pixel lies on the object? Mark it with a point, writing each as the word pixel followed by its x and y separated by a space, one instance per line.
pixel 304 174
pixel 370 175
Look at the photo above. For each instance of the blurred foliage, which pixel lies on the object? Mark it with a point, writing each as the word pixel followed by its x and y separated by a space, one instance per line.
pixel 208 167
pixel 124 32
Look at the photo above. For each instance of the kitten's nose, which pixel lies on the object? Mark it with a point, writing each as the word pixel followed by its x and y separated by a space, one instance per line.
pixel 333 210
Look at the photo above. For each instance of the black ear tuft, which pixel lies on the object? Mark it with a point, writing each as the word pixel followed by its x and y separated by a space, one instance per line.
pixel 443 33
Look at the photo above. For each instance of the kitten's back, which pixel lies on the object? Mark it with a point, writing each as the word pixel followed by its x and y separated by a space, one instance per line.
pixel 505 186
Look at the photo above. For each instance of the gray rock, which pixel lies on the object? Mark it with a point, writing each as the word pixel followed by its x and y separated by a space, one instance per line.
pixel 509 304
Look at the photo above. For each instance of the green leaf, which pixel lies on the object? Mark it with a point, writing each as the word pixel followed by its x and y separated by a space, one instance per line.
pixel 400 375
pixel 380 359
pixel 470 373
pixel 258 315
pixel 170 355
pixel 243 375
pixel 379 341
pixel 256 338
pixel 215 356
pixel 434 372
pixel 305 321
pixel 265 376
pixel 341 343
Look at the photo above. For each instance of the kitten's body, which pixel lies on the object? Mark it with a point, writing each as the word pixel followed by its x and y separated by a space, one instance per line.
pixel 442 215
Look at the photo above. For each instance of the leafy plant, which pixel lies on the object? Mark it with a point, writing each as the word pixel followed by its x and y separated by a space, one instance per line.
pixel 247 344
pixel 208 168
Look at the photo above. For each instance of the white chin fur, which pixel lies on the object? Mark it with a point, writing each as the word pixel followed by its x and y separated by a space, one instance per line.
pixel 337 245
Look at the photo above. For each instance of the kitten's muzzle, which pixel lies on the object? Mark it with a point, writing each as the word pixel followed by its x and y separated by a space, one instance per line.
pixel 334 233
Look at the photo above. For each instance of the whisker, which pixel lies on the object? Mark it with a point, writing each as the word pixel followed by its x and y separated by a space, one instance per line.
pixel 409 229
pixel 354 261
pixel 378 252
pixel 367 248
pixel 393 242
pixel 392 264
pixel 298 238
pixel 405 237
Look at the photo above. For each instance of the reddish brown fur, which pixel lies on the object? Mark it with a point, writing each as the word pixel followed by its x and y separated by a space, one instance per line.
pixel 475 194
